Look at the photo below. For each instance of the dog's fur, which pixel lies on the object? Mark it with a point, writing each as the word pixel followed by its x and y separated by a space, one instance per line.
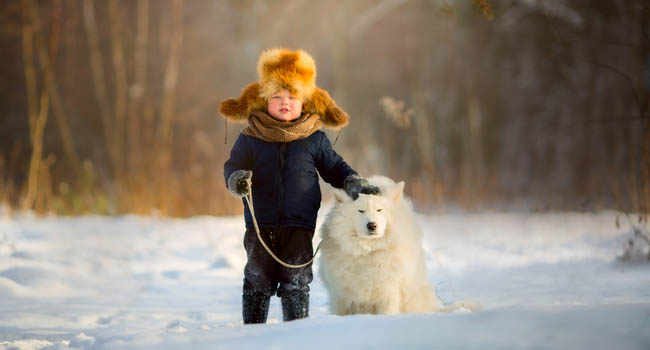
pixel 372 261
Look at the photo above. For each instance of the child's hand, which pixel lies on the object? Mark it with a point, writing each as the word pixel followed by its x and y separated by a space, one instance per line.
pixel 238 182
pixel 355 184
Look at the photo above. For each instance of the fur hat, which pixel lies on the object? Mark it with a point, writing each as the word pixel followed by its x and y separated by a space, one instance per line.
pixel 284 69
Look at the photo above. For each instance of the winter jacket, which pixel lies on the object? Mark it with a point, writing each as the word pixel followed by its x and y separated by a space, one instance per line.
pixel 285 187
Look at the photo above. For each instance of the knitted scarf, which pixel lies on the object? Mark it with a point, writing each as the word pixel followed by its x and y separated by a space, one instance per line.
pixel 264 127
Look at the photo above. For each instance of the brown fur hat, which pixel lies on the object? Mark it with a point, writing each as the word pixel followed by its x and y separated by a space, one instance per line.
pixel 284 69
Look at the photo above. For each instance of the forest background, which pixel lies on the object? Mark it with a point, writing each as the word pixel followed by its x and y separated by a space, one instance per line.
pixel 110 107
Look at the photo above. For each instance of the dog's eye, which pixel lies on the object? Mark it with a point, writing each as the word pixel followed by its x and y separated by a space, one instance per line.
pixel 362 211
pixel 378 209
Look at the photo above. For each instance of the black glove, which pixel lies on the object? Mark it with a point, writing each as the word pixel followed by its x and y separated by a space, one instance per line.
pixel 238 184
pixel 355 184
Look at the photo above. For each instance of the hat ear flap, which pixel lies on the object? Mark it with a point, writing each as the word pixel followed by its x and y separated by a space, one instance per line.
pixel 237 110
pixel 331 114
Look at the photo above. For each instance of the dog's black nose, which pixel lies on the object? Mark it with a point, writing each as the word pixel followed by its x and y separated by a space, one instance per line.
pixel 371 226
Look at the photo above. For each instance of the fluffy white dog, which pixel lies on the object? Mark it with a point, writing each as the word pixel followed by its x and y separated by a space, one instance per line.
pixel 372 260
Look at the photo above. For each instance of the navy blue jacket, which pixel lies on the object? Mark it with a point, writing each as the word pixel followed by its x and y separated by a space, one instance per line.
pixel 285 182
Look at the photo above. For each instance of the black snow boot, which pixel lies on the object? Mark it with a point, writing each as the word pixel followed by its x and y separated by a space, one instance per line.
pixel 255 308
pixel 295 306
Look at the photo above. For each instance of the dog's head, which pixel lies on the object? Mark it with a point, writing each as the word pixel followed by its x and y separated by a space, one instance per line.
pixel 369 214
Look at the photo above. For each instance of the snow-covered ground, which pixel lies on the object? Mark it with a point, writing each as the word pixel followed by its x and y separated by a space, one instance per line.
pixel 544 281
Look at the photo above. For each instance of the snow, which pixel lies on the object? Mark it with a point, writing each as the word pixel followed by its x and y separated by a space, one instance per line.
pixel 543 281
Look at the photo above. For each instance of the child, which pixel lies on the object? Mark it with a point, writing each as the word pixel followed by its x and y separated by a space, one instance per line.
pixel 282 151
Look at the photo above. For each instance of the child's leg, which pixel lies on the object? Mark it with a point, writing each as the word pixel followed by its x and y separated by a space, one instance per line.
pixel 260 280
pixel 294 247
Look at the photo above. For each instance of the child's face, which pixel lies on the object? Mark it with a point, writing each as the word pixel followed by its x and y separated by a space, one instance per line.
pixel 284 107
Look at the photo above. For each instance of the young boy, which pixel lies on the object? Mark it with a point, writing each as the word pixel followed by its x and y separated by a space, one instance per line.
pixel 282 151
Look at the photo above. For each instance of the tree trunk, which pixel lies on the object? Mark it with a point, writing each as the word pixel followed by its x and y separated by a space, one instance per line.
pixel 37 123
pixel 47 60
pixel 136 145
pixel 120 105
pixel 645 105
pixel 98 75
pixel 168 107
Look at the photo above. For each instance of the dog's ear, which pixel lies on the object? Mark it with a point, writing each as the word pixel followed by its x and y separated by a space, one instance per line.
pixel 396 191
pixel 340 196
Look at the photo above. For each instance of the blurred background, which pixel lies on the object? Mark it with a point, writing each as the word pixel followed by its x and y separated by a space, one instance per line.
pixel 110 107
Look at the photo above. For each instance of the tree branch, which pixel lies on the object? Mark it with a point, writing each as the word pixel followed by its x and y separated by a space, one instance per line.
pixel 617 71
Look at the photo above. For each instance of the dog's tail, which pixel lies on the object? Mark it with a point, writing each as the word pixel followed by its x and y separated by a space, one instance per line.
pixel 461 306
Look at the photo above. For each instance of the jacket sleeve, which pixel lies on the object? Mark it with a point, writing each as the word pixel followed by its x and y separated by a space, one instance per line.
pixel 240 158
pixel 330 165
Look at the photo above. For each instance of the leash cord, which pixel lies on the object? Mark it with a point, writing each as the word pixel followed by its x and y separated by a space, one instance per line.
pixel 249 200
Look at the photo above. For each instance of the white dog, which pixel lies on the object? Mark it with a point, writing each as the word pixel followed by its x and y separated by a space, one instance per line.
pixel 372 260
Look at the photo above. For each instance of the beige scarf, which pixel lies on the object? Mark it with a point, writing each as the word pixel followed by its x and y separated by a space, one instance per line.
pixel 264 127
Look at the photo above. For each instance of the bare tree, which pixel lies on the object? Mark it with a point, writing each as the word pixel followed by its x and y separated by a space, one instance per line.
pixel 168 106
pixel 38 110
pixel 120 103
pixel 138 100
pixel 99 80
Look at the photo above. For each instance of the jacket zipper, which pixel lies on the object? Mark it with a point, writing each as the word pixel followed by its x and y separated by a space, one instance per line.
pixel 283 161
